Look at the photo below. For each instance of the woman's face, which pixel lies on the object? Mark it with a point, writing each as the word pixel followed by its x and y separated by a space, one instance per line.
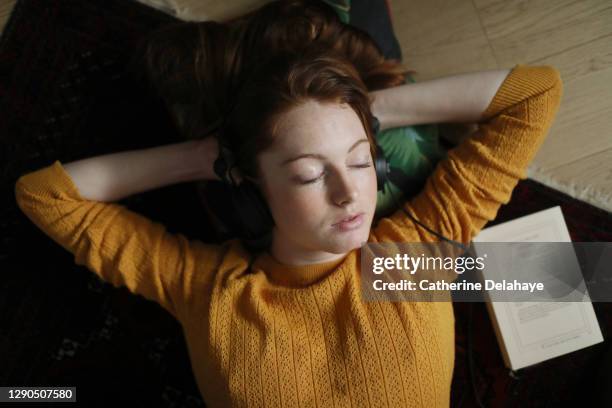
pixel 318 172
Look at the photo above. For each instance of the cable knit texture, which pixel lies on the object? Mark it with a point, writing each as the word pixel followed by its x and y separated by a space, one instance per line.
pixel 263 334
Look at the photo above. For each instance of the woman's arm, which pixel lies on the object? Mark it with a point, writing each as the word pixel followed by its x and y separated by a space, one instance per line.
pixel 457 98
pixel 119 245
pixel 470 184
pixel 112 177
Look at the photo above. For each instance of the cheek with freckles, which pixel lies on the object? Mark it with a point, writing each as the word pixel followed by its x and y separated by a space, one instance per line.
pixel 298 210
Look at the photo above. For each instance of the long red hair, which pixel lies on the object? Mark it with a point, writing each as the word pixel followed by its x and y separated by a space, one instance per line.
pixel 246 72
pixel 260 65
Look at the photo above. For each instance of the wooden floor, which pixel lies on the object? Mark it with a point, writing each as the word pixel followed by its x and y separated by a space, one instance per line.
pixel 444 37
pixel 6 6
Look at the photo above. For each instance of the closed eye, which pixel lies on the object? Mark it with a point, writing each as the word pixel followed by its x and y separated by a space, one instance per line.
pixel 359 166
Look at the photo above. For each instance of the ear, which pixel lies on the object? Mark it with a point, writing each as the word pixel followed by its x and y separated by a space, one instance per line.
pixel 258 184
pixel 253 180
pixel 236 175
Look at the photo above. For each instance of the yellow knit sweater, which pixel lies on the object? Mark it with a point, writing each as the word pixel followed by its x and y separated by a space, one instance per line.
pixel 263 334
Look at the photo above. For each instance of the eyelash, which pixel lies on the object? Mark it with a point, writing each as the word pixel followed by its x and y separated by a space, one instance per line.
pixel 360 166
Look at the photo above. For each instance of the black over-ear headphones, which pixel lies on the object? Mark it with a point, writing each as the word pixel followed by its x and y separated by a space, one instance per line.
pixel 249 205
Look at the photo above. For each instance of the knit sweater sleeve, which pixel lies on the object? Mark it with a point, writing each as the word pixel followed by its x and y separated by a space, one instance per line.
pixel 468 187
pixel 120 246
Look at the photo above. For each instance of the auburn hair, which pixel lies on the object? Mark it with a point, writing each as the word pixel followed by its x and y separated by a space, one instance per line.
pixel 246 72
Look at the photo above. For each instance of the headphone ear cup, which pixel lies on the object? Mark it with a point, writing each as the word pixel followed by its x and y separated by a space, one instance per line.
pixel 382 168
pixel 249 210
pixel 253 212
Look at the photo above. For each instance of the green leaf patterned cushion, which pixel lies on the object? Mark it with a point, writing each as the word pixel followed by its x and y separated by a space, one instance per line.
pixel 413 151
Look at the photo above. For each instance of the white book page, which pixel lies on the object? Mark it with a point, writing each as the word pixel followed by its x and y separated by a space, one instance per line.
pixel 537 331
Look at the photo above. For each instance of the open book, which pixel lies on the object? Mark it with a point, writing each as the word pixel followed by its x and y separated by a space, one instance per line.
pixel 532 332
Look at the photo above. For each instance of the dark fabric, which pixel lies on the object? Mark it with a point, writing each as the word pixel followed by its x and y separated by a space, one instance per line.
pixel 374 17
pixel 64 96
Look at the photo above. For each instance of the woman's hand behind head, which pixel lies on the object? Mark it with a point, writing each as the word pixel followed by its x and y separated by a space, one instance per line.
pixel 208 151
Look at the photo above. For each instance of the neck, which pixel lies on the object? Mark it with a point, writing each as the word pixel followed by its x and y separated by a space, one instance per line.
pixel 285 253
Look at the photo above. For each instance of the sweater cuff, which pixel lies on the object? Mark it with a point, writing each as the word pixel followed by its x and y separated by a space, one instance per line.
pixel 523 82
pixel 50 181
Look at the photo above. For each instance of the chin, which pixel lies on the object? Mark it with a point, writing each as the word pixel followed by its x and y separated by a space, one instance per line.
pixel 349 241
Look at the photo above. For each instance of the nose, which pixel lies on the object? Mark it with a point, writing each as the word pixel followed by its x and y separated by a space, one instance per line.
pixel 344 189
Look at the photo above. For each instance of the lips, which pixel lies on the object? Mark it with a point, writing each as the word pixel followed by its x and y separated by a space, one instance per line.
pixel 346 219
pixel 353 223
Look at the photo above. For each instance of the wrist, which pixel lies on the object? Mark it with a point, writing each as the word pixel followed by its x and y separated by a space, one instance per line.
pixel 377 109
pixel 205 153
pixel 382 107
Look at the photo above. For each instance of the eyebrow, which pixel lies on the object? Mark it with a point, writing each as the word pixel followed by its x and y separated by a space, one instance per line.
pixel 319 156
